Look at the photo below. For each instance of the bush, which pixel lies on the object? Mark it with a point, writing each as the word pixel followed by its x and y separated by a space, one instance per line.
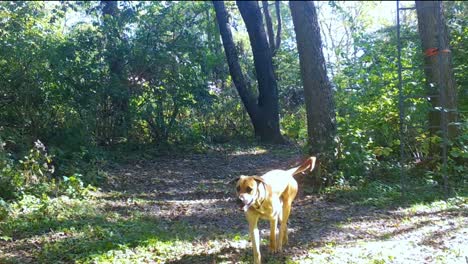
pixel 10 178
pixel 34 176
pixel 294 127
pixel 4 209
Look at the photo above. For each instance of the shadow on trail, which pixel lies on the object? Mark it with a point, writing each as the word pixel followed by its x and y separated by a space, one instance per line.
pixel 226 254
pixel 194 176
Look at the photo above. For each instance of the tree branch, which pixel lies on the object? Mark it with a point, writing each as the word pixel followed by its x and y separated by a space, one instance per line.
pixel 278 30
pixel 269 25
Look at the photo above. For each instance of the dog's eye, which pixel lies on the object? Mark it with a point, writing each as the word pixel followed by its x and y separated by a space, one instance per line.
pixel 249 189
pixel 238 188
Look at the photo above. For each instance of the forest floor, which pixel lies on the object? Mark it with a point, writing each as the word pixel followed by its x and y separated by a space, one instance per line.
pixel 181 209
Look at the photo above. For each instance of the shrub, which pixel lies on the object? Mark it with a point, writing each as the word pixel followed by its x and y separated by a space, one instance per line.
pixel 34 176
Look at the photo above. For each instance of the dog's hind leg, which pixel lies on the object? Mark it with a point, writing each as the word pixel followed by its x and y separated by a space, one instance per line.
pixel 287 203
pixel 283 233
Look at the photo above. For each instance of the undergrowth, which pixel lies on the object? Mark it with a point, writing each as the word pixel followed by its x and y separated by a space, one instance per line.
pixel 386 194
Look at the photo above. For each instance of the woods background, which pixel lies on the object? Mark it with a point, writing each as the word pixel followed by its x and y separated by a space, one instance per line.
pixel 97 82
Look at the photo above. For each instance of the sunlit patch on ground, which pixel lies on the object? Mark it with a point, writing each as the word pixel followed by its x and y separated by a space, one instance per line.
pixel 254 151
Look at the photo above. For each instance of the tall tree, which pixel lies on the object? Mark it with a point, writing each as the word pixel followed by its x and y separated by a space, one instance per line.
pixel 321 126
pixel 438 61
pixel 116 97
pixel 263 111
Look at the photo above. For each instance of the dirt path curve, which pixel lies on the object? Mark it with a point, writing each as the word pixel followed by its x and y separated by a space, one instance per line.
pixel 195 190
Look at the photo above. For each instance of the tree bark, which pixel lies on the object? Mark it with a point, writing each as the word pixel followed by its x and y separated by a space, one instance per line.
pixel 263 111
pixel 321 126
pixel 438 66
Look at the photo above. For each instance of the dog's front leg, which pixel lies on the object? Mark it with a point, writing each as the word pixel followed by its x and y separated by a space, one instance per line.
pixel 273 241
pixel 254 236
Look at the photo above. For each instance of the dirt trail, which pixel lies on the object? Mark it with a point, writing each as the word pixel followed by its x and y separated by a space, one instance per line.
pixel 196 189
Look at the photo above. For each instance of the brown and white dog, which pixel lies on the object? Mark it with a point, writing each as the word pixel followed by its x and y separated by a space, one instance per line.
pixel 270 197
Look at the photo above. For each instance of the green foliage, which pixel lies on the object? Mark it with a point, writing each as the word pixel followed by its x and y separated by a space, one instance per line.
pixel 10 179
pixel 91 235
pixel 367 102
pixel 34 176
pixel 293 126
pixel 385 193
pixel 152 77
pixel 367 105
pixel 456 12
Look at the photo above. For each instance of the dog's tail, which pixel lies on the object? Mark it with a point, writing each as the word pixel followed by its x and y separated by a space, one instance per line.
pixel 308 165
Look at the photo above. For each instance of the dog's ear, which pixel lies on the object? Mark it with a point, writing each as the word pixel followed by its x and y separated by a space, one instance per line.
pixel 259 179
pixel 235 179
pixel 308 165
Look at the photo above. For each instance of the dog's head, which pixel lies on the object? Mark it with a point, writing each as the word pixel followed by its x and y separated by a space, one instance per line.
pixel 247 189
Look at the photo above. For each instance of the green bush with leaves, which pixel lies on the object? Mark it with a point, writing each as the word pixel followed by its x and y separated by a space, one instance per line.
pixel 10 178
pixel 34 175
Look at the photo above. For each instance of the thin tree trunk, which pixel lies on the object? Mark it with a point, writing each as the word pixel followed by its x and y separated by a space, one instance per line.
pixel 269 25
pixel 232 57
pixel 278 29
pixel 272 41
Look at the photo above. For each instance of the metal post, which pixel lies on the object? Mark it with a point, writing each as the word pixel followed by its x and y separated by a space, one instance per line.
pixel 401 108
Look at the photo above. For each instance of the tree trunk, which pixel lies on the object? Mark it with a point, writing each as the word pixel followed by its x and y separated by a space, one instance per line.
pixel 263 113
pixel 117 90
pixel 278 29
pixel 321 126
pixel 235 69
pixel 439 75
pixel 269 25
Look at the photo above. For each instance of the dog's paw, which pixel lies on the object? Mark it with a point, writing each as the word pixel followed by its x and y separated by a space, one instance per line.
pixel 280 248
pixel 276 249
pixel 285 239
pixel 273 249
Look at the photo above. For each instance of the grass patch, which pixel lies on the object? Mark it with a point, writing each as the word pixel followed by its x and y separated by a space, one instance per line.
pixel 64 230
pixel 388 194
